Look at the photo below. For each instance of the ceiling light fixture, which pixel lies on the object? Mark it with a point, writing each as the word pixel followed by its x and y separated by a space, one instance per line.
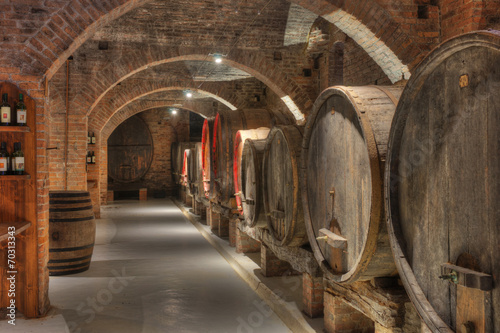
pixel 217 57
pixel 188 93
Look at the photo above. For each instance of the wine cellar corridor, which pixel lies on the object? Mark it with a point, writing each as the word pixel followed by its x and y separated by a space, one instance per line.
pixel 250 166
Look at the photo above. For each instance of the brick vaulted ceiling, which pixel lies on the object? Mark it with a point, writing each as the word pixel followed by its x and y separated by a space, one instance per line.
pixel 113 40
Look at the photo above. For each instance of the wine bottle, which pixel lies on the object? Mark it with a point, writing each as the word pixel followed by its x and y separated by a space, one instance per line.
pixel 92 138
pixel 5 111
pixel 21 111
pixel 89 158
pixel 88 138
pixel 17 159
pixel 4 159
pixel 93 158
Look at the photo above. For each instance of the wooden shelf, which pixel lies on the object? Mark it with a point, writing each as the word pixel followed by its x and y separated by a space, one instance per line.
pixel 19 129
pixel 20 227
pixel 15 177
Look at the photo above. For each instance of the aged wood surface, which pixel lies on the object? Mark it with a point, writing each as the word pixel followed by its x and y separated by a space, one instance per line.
pixel 18 203
pixel 195 179
pixel 71 232
pixel 206 151
pixel 251 183
pixel 130 151
pixel 238 169
pixel 226 125
pixel 442 181
pixel 344 150
pixel 281 189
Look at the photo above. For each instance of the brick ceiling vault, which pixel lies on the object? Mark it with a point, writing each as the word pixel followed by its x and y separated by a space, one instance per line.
pixel 134 108
pixel 253 64
pixel 99 120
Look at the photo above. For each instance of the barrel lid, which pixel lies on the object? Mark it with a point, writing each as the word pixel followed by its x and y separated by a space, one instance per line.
pixel 442 163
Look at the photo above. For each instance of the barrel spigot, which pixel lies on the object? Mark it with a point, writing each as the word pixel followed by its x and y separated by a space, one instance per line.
pixel 452 277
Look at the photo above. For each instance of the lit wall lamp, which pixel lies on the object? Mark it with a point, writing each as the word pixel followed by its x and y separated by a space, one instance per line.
pixel 188 93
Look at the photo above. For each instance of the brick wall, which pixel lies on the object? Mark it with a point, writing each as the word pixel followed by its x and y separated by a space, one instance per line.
pixel 461 16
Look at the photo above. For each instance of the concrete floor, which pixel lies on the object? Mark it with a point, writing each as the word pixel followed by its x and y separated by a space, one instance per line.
pixel 152 271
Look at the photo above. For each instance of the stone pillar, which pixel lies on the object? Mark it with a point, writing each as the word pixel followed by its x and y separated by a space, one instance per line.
pixel 246 244
pixel 312 295
pixel 272 265
pixel 342 318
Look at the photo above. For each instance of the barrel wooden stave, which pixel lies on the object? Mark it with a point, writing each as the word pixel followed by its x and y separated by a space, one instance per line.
pixel 206 151
pixel 225 128
pixel 342 162
pixel 281 188
pixel 251 183
pixel 186 167
pixel 442 182
pixel 71 232
pixel 239 141
pixel 195 178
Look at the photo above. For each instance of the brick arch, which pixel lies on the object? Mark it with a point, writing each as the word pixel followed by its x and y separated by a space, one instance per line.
pixel 373 29
pixel 250 62
pixel 115 104
pixel 370 25
pixel 69 27
pixel 132 109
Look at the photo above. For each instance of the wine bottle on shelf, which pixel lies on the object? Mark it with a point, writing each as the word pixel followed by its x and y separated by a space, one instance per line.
pixel 92 138
pixel 4 159
pixel 21 111
pixel 17 159
pixel 5 111
pixel 88 138
pixel 93 158
pixel 89 158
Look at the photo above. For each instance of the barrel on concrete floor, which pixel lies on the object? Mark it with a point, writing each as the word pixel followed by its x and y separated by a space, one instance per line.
pixel 250 183
pixel 442 185
pixel 281 189
pixel 239 141
pixel 71 232
pixel 344 148
pixel 225 127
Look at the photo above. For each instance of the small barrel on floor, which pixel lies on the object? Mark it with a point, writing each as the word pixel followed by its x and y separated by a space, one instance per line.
pixel 71 232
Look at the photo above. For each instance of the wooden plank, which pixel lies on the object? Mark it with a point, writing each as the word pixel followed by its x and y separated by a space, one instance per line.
pixel 473 310
pixel 19 228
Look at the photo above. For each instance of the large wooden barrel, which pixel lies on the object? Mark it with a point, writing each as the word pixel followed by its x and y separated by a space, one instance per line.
pixel 71 232
pixel 239 141
pixel 344 149
pixel 186 167
pixel 179 160
pixel 281 188
pixel 130 151
pixel 250 183
pixel 225 127
pixel 442 184
pixel 206 152
pixel 195 177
